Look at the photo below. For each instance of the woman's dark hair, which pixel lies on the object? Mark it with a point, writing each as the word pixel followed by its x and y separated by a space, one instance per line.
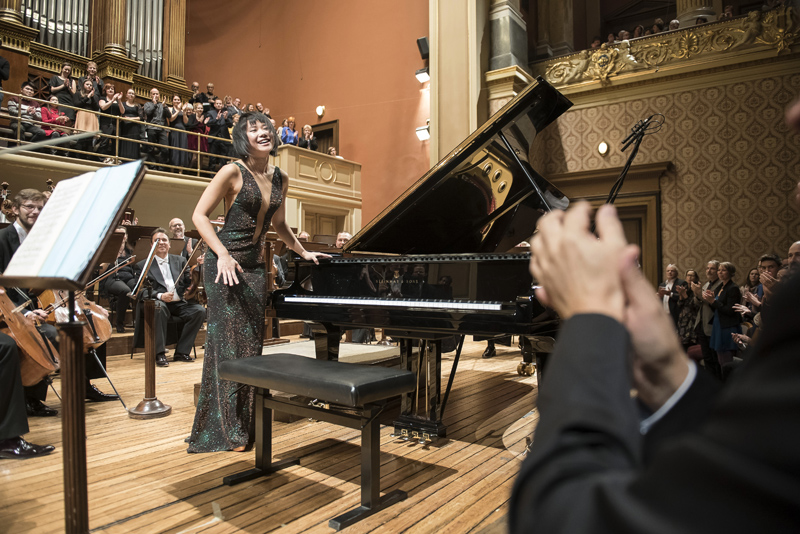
pixel 241 146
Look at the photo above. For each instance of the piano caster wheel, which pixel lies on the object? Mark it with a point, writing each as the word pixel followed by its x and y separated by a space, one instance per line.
pixel 525 369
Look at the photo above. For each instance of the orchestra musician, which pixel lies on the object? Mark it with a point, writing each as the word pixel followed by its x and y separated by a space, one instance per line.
pixel 13 420
pixel 235 278
pixel 117 283
pixel 168 291
pixel 178 230
pixel 27 205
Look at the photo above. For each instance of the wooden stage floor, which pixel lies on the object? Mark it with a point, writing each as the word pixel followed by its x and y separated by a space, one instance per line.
pixel 142 480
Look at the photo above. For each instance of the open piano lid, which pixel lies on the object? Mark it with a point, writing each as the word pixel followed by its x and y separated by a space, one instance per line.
pixel 478 198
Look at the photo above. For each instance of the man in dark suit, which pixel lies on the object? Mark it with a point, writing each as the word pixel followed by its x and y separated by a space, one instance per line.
pixel 27 205
pixel 668 291
pixel 736 471
pixel 168 290
pixel 218 124
pixel 13 420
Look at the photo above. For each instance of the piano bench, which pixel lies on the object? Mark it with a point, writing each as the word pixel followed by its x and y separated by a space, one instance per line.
pixel 360 388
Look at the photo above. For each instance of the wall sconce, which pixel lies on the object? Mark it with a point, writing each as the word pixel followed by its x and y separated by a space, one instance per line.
pixel 320 111
pixel 423 75
pixel 424 132
pixel 602 148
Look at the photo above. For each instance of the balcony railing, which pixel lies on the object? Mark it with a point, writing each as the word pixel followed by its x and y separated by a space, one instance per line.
pixel 109 152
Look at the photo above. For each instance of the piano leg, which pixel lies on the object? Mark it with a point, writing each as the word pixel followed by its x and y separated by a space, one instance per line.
pixel 535 350
pixel 326 340
pixel 420 411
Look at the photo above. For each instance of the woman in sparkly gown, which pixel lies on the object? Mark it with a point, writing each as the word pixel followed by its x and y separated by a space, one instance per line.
pixel 236 279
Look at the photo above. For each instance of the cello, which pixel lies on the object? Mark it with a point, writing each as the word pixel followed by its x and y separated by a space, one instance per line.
pixel 38 357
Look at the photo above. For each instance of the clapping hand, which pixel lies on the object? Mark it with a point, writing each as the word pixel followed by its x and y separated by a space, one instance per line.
pixel 683 291
pixel 752 299
pixel 767 282
pixel 741 308
pixel 708 296
pixel 697 289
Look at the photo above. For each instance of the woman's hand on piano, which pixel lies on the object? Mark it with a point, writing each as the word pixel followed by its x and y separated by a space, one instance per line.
pixel 226 269
pixel 313 256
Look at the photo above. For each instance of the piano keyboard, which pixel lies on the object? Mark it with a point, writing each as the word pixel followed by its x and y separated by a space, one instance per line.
pixel 399 303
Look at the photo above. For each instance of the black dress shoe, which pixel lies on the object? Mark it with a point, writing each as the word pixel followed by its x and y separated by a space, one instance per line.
pixel 18 448
pixel 36 408
pixel 161 360
pixel 94 394
pixel 489 352
pixel 182 357
pixel 120 329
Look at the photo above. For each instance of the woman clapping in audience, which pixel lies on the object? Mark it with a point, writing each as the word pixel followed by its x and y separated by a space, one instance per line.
pixel 726 318
pixel 688 308
pixel 289 134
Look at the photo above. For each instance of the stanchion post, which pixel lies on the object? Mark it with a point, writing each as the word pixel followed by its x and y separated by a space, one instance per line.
pixel 73 427
pixel 150 407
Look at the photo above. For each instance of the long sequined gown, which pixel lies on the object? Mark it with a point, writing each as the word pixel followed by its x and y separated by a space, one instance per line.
pixel 224 417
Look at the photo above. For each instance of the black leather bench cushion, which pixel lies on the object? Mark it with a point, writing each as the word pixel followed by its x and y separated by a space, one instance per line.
pixel 348 384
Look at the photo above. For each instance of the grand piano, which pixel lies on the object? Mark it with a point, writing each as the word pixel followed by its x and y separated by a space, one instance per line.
pixel 440 261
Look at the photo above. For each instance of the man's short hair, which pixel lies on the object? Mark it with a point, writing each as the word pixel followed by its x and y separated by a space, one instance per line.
pixel 27 84
pixel 771 256
pixel 715 262
pixel 241 146
pixel 25 195
pixel 158 230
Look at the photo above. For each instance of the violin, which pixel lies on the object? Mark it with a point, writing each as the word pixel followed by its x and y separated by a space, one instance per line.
pixel 197 289
pixel 38 357
pixel 96 326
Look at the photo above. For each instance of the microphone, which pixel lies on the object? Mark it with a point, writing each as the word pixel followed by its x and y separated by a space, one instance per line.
pixel 640 126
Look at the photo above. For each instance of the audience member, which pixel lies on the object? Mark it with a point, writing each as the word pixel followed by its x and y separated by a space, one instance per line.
pixel 688 307
pixel 668 292
pixel 249 108
pixel 86 116
pixel 109 105
pixel 638 31
pixel 750 286
pixel 208 105
pixel 588 469
pixel 705 317
pixel 674 24
pixel 155 115
pixel 218 125
pixel 197 122
pixel 308 141
pixel 700 20
pixel 63 86
pixel 52 115
pixel 794 256
pixel 726 319
pixel 726 14
pixel 131 128
pixel 27 110
pixel 596 42
pixel 288 133
pixel 198 97
pixel 332 152
pixel 178 155
pixel 5 72
pixel 236 108
pixel 91 74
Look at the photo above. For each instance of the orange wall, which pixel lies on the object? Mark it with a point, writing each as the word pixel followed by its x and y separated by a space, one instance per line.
pixel 357 58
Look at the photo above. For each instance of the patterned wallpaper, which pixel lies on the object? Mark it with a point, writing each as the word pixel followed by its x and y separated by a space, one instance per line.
pixel 735 163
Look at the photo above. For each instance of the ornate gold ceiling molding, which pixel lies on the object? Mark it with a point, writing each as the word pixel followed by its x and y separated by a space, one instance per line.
pixel 757 36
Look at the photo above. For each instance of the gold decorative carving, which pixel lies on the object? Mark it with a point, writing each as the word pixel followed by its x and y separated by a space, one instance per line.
pixel 48 58
pixel 16 36
pixel 758 31
pixel 143 84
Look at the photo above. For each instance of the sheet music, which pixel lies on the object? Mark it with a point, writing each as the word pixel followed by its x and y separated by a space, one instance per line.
pixel 73 223
pixel 32 254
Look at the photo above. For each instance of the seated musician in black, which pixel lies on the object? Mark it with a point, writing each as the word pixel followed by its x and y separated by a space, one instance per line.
pixel 13 420
pixel 27 205
pixel 116 285
pixel 178 230
pixel 168 291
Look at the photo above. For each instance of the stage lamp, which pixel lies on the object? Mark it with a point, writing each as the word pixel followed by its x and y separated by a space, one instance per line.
pixel 424 132
pixel 423 76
